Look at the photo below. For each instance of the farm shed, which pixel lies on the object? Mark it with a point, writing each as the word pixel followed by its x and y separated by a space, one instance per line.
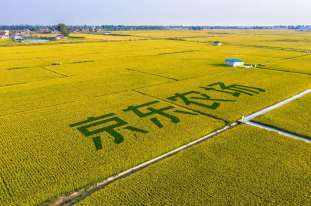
pixel 234 62
pixel 217 43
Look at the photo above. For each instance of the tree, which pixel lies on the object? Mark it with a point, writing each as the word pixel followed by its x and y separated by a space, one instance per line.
pixel 63 29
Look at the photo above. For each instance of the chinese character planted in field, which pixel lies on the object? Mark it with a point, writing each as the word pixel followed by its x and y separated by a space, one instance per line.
pixel 153 111
pixel 198 96
pixel 234 89
pixel 104 124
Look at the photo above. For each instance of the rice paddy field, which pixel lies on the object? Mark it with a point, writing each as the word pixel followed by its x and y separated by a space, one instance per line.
pixel 297 65
pixel 73 113
pixel 69 157
pixel 243 166
pixel 5 42
pixel 293 117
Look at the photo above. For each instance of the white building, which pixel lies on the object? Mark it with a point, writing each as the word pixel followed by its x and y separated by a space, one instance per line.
pixel 5 32
pixel 234 62
pixel 18 37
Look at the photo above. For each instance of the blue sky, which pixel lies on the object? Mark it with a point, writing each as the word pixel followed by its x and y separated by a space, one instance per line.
pixel 156 12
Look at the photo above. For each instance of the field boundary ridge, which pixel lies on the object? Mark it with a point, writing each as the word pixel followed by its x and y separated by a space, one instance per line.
pixel 248 119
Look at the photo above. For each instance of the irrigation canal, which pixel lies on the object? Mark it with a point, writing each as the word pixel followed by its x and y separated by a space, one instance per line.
pixel 248 119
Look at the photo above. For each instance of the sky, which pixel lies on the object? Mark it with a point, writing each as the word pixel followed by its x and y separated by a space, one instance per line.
pixel 156 12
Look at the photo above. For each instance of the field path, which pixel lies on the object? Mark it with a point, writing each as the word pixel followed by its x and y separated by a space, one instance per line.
pixel 288 59
pixel 278 131
pixel 248 119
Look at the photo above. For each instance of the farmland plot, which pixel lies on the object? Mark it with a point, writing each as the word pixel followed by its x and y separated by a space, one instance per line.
pixel 21 64
pixel 25 75
pixel 105 37
pixel 41 94
pixel 195 63
pixel 293 117
pixel 112 105
pixel 299 65
pixel 227 95
pixel 243 166
pixel 48 152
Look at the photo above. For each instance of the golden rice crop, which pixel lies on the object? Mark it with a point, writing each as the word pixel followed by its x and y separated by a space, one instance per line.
pixel 21 63
pixel 300 65
pixel 163 61
pixel 294 117
pixel 104 37
pixel 5 42
pixel 41 94
pixel 243 166
pixel 48 152
pixel 229 94
pixel 25 75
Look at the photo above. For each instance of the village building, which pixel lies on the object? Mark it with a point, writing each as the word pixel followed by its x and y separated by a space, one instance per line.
pixel 18 37
pixel 217 43
pixel 60 37
pixel 5 33
pixel 4 37
pixel 234 63
pixel 25 32
pixel 16 33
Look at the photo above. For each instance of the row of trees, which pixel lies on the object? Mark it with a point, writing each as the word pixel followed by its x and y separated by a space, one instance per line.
pixel 128 28
pixel 27 27
pixel 195 28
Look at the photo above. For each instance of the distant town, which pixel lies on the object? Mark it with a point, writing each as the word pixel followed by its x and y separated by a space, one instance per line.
pixel 22 32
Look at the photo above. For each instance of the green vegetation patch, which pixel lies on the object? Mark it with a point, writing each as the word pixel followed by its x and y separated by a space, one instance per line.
pixel 17 68
pixel 177 52
pixel 83 61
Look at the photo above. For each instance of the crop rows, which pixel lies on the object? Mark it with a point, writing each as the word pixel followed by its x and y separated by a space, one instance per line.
pixel 48 152
pixel 245 165
pixel 110 106
pixel 257 90
pixel 293 117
